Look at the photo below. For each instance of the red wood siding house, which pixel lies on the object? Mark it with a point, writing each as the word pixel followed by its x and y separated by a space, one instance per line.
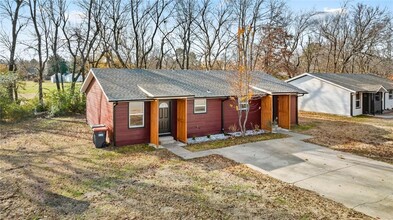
pixel 134 114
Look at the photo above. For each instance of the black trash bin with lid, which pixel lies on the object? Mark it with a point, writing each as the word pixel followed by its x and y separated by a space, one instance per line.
pixel 99 135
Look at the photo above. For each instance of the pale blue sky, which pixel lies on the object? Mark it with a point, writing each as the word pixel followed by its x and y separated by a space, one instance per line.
pixel 321 5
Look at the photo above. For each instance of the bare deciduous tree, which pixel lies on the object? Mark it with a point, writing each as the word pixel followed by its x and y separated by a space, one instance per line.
pixel 214 34
pixel 39 18
pixel 56 9
pixel 10 9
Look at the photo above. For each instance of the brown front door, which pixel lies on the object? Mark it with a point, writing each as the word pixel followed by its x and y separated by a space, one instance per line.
pixel 164 117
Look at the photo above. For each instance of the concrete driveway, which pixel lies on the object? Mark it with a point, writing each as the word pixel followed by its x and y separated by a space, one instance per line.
pixel 360 183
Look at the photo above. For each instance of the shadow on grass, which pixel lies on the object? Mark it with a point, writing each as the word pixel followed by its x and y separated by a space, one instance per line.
pixel 65 205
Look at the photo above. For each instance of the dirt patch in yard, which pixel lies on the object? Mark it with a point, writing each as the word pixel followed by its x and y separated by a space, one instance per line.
pixel 49 169
pixel 365 136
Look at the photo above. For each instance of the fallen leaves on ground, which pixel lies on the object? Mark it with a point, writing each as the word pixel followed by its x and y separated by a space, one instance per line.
pixel 49 169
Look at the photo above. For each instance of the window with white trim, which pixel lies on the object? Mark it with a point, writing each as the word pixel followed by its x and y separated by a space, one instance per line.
pixel 199 106
pixel 357 100
pixel 136 114
pixel 244 106
pixel 391 94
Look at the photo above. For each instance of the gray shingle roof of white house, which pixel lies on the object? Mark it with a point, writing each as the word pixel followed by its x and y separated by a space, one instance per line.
pixel 353 81
pixel 140 84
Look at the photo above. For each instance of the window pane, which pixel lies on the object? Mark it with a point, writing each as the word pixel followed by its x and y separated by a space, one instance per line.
pixel 244 106
pixel 357 104
pixel 200 109
pixel 136 107
pixel 200 102
pixel 200 105
pixel 136 120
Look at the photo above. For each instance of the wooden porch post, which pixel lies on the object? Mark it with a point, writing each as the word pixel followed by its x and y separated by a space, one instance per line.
pixel 181 133
pixel 154 123
pixel 267 113
pixel 284 111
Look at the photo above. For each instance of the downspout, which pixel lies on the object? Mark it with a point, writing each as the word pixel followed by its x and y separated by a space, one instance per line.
pixel 297 110
pixel 351 98
pixel 114 123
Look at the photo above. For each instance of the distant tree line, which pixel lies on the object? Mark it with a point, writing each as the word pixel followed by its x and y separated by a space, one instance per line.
pixel 194 34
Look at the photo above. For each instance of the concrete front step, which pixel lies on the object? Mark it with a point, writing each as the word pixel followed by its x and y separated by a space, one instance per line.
pixel 166 140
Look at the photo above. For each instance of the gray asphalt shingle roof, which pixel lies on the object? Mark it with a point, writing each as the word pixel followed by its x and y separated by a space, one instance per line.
pixel 356 82
pixel 137 84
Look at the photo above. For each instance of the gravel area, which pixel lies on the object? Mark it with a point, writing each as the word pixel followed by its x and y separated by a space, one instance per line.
pixel 222 136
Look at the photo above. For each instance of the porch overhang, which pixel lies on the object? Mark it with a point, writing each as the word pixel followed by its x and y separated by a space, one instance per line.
pixel 284 112
pixel 181 120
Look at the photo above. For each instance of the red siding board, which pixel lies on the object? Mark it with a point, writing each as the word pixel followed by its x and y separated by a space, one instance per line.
pixel 205 123
pixel 126 135
pixel 231 117
pixel 98 109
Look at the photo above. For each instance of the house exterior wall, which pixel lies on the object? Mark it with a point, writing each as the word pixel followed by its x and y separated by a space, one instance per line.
pixel 98 109
pixel 231 117
pixel 388 102
pixel 204 123
pixel 197 124
pixel 126 135
pixel 323 97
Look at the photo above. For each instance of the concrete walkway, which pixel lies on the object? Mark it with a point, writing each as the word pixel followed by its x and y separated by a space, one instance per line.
pixel 360 183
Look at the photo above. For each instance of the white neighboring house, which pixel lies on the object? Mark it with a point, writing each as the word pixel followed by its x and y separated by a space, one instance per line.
pixel 53 78
pixel 67 78
pixel 344 94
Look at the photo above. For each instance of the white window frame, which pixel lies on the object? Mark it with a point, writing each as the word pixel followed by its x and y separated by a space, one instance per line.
pixel 391 94
pixel 130 114
pixel 358 100
pixel 195 105
pixel 244 106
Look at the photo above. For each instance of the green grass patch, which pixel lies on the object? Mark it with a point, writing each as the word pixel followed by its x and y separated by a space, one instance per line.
pixel 233 141
pixel 100 183
pixel 130 149
pixel 303 127
pixel 29 89
pixel 280 201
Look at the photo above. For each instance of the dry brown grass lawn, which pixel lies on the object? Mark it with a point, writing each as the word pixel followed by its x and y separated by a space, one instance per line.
pixel 365 136
pixel 49 169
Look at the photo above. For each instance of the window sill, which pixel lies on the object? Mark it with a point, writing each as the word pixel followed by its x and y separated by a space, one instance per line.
pixel 139 126
pixel 200 113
